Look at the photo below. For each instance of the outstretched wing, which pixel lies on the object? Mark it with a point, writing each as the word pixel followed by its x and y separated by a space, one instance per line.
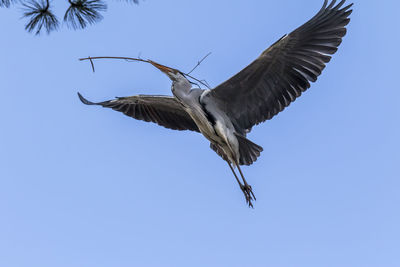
pixel 163 110
pixel 283 71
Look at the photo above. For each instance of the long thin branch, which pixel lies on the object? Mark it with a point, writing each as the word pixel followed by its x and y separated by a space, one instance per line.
pixel 124 58
pixel 129 59
pixel 199 62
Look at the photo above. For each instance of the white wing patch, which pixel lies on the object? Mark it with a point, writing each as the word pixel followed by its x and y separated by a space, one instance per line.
pixel 206 92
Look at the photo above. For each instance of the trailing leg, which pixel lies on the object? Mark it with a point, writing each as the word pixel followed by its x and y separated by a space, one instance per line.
pixel 246 185
pixel 246 189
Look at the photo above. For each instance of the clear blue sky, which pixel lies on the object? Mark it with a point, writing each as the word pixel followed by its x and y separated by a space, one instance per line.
pixel 84 186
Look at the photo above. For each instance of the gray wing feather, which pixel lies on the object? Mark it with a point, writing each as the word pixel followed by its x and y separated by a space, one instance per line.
pixel 163 110
pixel 283 71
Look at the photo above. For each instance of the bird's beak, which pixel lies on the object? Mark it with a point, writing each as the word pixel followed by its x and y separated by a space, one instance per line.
pixel 163 68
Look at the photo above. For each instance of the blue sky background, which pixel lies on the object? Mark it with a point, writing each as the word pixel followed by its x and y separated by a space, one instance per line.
pixel 86 186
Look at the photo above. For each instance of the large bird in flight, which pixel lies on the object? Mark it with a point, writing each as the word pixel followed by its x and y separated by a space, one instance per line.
pixel 225 114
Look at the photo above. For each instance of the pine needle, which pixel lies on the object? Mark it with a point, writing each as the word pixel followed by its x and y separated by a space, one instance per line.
pixel 39 15
pixel 82 13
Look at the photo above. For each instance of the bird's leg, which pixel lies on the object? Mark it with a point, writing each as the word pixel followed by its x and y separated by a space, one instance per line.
pixel 246 185
pixel 244 189
pixel 233 171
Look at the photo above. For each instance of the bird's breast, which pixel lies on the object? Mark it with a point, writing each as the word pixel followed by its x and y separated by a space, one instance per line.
pixel 205 122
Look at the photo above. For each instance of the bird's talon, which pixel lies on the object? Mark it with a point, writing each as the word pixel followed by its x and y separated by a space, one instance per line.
pixel 248 194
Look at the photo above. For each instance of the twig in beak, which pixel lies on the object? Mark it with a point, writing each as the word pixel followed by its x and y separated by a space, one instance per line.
pixel 130 59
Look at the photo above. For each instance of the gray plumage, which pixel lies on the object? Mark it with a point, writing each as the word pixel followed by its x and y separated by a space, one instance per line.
pixel 264 88
pixel 164 110
pixel 283 71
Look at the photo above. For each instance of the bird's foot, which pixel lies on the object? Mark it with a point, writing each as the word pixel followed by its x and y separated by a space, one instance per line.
pixel 248 194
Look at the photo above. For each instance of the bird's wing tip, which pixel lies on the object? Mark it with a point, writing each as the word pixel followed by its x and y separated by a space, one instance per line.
pixel 349 6
pixel 84 100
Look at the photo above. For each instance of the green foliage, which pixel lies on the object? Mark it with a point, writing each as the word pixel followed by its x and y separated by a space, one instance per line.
pixel 39 16
pixel 79 14
pixel 6 3
pixel 84 12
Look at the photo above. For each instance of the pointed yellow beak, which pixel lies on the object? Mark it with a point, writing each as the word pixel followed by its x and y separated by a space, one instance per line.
pixel 163 68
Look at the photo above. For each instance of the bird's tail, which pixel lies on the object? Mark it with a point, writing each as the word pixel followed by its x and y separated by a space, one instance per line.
pixel 249 152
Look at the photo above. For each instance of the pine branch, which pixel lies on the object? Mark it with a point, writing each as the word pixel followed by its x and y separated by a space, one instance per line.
pixel 130 1
pixel 84 12
pixel 7 3
pixel 79 15
pixel 39 15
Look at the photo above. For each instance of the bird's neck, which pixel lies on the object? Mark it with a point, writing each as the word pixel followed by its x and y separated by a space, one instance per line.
pixel 181 89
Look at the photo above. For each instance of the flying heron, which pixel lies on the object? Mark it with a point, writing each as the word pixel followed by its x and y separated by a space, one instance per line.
pixel 227 113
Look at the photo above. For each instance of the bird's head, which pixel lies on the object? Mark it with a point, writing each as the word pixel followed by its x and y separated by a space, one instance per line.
pixel 180 84
pixel 174 74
